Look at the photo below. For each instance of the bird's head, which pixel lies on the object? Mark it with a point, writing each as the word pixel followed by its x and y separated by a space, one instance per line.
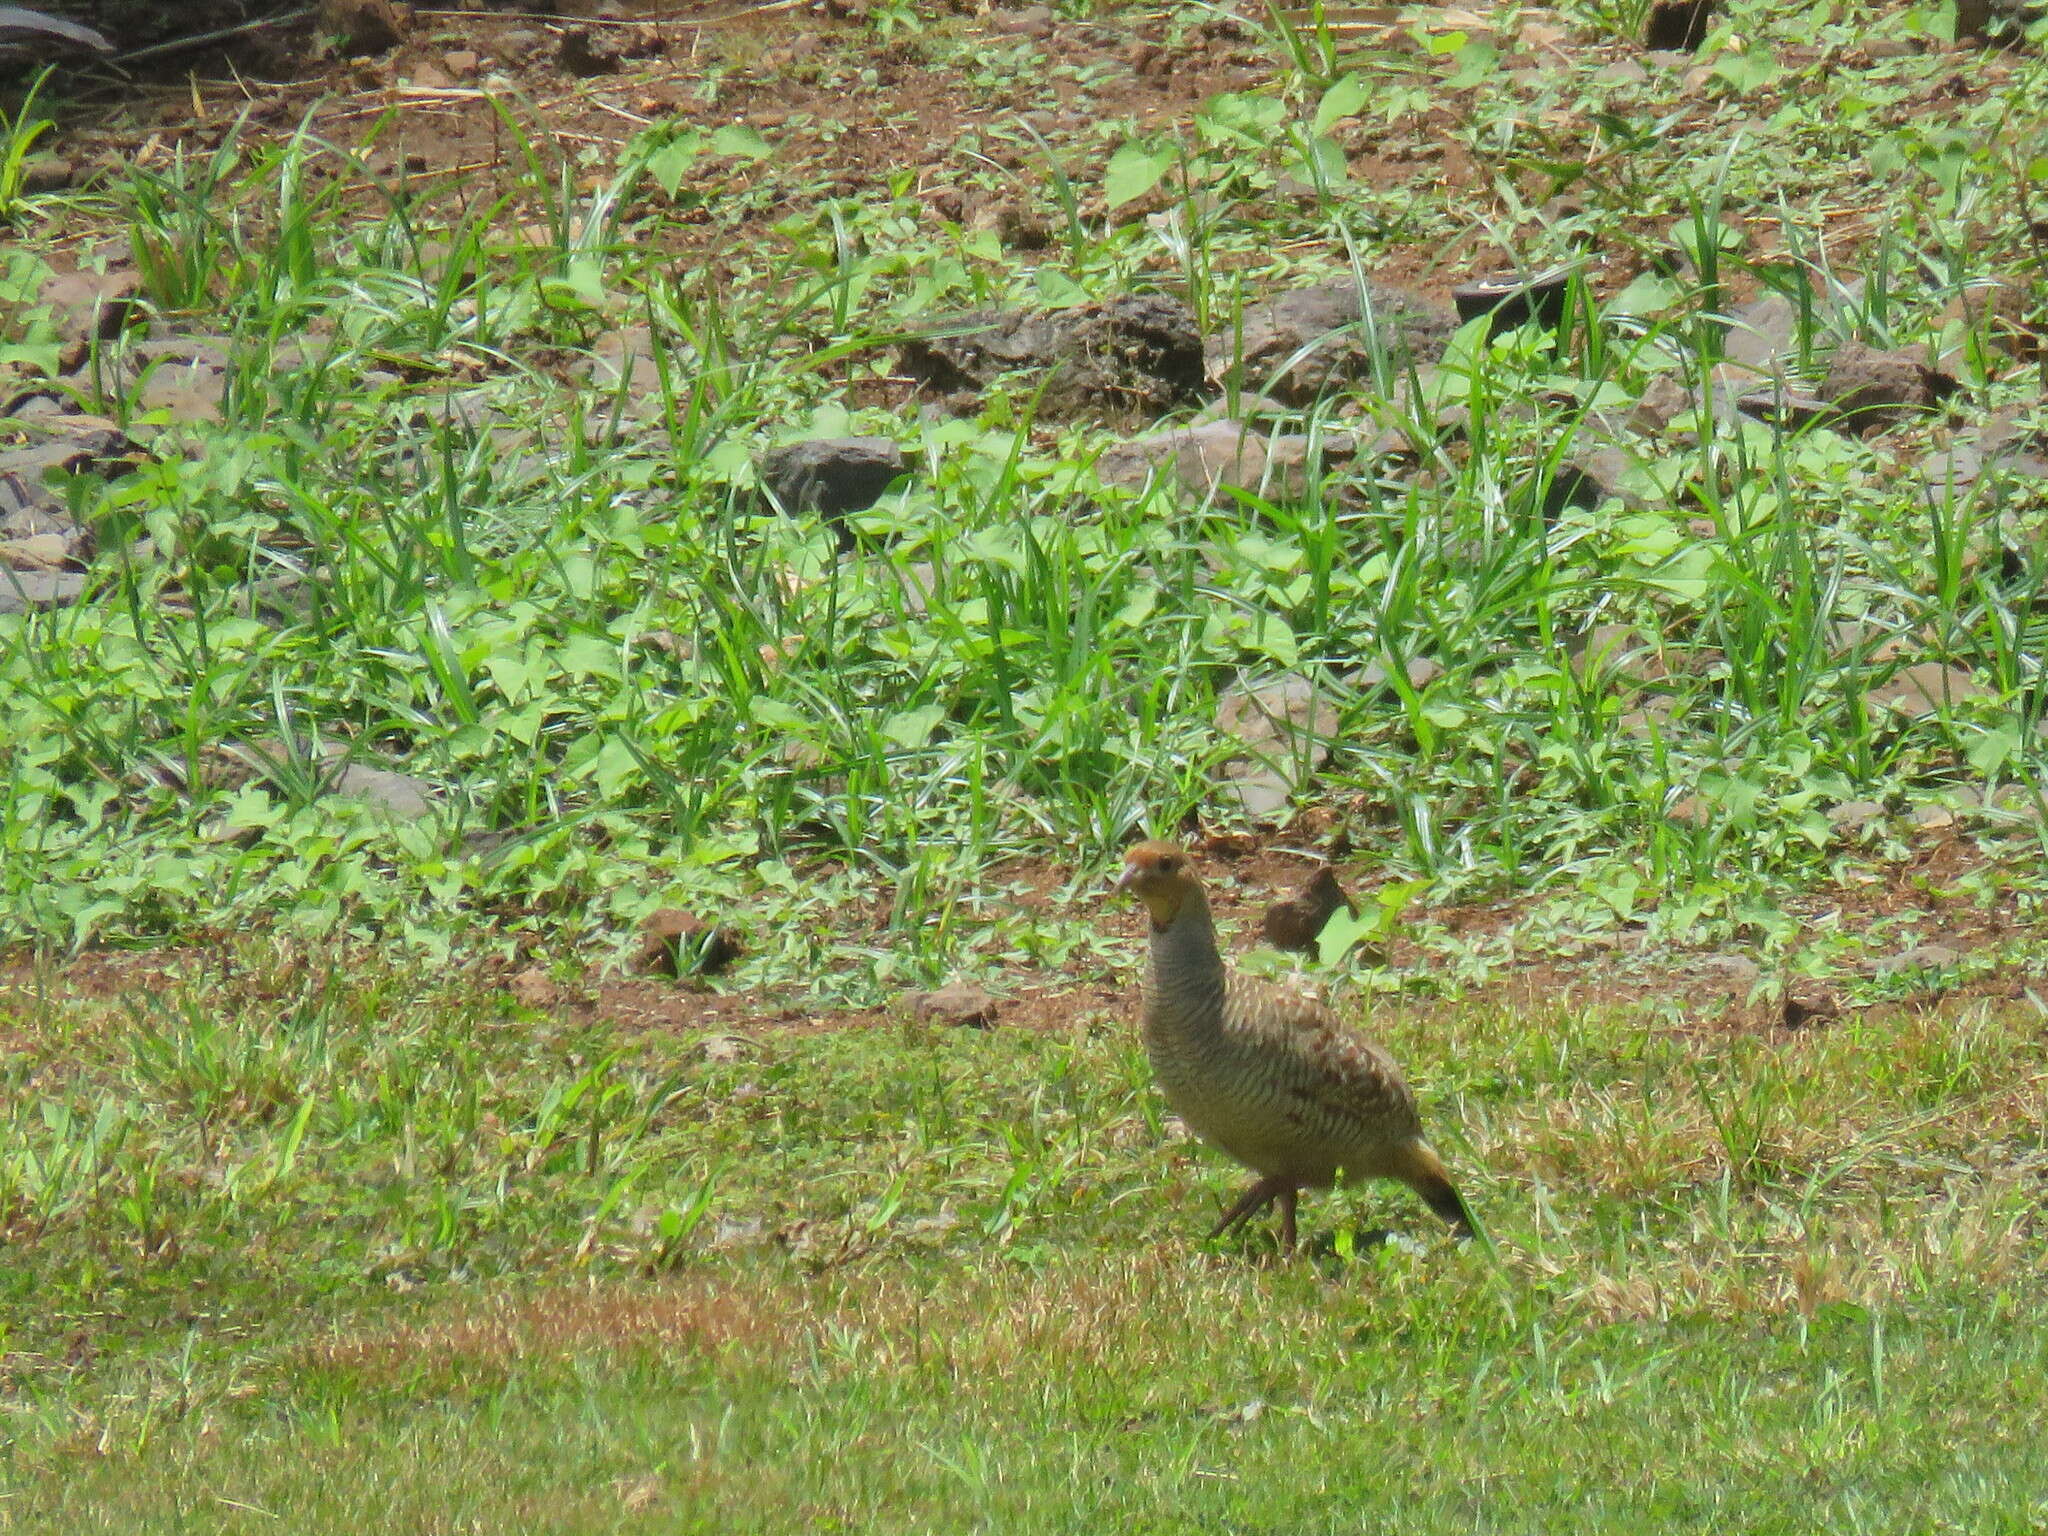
pixel 1163 877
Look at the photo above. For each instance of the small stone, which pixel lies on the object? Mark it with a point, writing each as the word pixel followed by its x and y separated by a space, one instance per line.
pixel 1033 21
pixel 23 590
pixel 1927 688
pixel 959 1003
pixel 38 552
pixel 1875 390
pixel 461 63
pixel 1732 973
pixel 678 943
pixel 1921 957
pixel 535 988
pixel 95 306
pixel 47 173
pixel 1287 724
pixel 1852 816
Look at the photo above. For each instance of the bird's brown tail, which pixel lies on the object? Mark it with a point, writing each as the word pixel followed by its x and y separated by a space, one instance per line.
pixel 1423 1171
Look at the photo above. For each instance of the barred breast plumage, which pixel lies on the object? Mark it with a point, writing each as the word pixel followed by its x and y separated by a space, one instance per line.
pixel 1266 1074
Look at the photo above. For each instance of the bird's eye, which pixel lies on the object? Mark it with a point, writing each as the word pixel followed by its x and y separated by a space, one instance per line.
pixel 1166 866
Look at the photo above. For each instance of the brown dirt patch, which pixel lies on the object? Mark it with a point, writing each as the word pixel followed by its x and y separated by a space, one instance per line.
pixel 561 1322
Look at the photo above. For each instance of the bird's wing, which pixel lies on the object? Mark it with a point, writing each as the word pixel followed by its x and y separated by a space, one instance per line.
pixel 1343 1072
pixel 15 18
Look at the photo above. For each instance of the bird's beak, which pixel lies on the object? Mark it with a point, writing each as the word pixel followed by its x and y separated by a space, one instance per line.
pixel 1125 882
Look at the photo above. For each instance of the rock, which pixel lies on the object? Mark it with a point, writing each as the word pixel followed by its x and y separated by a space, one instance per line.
pixel 535 988
pixel 37 552
pixel 832 476
pixel 1294 924
pixel 461 63
pixel 678 943
pixel 47 173
pixel 1875 390
pixel 1622 72
pixel 1295 346
pixel 23 590
pixel 1926 688
pixel 1852 816
pixel 1287 725
pixel 1135 356
pixel 402 795
pixel 92 306
pixel 362 26
pixel 1921 957
pixel 1730 973
pixel 1033 21
pixel 1762 335
pixel 625 358
pixel 958 1003
pixel 2001 450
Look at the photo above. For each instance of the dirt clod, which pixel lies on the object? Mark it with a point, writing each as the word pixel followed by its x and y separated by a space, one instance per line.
pixel 678 943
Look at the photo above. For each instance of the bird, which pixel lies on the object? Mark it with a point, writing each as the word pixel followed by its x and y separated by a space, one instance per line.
pixel 1294 923
pixel 1269 1076
pixel 16 18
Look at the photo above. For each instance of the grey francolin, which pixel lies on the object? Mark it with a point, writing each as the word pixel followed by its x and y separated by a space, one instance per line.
pixel 1267 1075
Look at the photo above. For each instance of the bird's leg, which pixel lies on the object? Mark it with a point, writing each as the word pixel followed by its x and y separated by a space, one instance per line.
pixel 1251 1202
pixel 1288 1196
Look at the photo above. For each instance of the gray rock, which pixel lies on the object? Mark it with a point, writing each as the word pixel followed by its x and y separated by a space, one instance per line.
pixel 1286 725
pixel 1926 688
pixel 1133 357
pixel 1921 957
pixel 1296 346
pixel 23 590
pixel 1733 973
pixel 1874 390
pixel 1852 816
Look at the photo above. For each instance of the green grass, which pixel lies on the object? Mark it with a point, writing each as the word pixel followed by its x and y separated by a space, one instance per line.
pixel 320 1244
pixel 422 536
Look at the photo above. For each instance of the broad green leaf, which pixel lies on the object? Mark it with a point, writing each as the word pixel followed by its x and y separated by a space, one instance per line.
pixel 1134 170
pixel 1340 101
pixel 913 728
pixel 671 163
pixel 741 142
